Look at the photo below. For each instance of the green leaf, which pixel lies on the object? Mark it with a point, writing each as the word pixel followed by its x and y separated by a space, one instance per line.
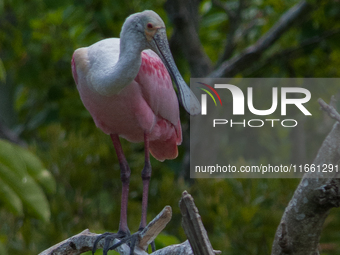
pixel 14 173
pixel 10 199
pixel 29 192
pixel 164 240
pixel 10 158
pixel 36 169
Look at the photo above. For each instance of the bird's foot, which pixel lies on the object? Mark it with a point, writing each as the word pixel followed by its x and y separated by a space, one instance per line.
pixel 124 238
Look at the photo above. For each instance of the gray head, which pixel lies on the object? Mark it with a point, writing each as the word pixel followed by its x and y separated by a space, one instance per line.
pixel 147 31
pixel 144 25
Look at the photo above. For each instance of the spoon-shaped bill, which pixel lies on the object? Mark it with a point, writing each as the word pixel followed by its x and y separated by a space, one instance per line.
pixel 160 45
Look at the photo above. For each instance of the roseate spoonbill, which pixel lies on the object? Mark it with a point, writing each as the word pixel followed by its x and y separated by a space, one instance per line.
pixel 125 85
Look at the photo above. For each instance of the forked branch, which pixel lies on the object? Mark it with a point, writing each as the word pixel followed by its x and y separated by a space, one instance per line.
pixel 84 241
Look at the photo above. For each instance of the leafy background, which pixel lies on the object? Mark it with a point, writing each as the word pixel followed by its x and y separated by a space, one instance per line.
pixel 64 177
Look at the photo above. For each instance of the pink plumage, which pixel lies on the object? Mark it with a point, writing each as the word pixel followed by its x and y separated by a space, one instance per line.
pixel 147 105
pixel 125 85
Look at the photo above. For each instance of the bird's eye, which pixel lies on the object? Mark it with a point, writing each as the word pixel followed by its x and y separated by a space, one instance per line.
pixel 150 26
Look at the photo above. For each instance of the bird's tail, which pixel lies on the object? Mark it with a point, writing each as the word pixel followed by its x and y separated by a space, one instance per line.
pixel 165 147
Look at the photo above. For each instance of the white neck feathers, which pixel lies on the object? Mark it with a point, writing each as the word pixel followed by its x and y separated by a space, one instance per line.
pixel 113 66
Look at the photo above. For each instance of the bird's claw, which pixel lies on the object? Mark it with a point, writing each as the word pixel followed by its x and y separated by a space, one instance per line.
pixel 108 238
pixel 130 240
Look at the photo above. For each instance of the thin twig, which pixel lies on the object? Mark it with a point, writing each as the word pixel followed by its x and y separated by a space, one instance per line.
pixel 252 53
pixel 332 112
pixel 293 52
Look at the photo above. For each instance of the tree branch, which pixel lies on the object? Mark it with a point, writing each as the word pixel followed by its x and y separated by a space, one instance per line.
pixel 184 16
pixel 234 23
pixel 329 109
pixel 301 224
pixel 84 241
pixel 293 51
pixel 246 58
pixel 193 227
pixel 77 244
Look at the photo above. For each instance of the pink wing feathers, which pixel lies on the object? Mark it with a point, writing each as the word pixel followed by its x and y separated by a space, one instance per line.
pixel 149 104
pixel 158 91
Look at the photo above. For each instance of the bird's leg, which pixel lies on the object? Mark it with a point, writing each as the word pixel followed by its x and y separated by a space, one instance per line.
pixel 125 178
pixel 123 232
pixel 146 175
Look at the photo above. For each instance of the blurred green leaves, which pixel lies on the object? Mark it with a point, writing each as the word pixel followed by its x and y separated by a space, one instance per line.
pixel 23 180
pixel 2 72
pixel 37 40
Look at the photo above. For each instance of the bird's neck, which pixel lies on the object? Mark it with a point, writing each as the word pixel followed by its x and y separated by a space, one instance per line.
pixel 120 75
pixel 127 66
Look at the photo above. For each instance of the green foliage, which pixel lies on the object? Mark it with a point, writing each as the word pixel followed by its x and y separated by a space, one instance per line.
pixel 163 240
pixel 20 173
pixel 38 100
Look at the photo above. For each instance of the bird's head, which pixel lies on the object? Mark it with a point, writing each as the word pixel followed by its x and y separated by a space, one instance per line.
pixel 151 24
pixel 142 28
pixel 148 30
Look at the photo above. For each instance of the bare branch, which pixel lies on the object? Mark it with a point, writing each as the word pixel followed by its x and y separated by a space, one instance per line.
pixel 75 245
pixel 177 249
pixel 193 227
pixel 252 53
pixel 84 241
pixel 293 52
pixel 151 231
pixel 317 193
pixel 329 109
pixel 284 241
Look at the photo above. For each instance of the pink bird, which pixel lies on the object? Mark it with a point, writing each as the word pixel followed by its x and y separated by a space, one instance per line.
pixel 125 85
